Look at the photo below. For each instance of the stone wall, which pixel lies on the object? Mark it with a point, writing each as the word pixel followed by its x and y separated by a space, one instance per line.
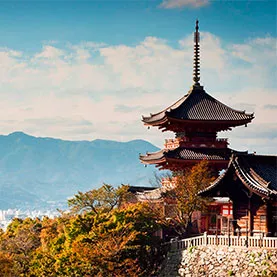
pixel 220 261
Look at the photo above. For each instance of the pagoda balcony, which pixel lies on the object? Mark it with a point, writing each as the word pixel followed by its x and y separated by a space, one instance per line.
pixel 196 142
pixel 172 143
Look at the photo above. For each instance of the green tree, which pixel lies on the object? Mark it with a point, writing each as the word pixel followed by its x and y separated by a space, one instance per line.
pixel 99 200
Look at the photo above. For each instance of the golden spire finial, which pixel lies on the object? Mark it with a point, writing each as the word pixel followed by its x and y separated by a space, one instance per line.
pixel 196 70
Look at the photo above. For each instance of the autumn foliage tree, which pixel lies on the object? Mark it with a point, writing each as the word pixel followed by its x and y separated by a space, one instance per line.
pixel 119 243
pixel 18 243
pixel 6 265
pixel 185 194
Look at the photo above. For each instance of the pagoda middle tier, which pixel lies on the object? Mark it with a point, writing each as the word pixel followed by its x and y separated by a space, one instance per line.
pixel 182 157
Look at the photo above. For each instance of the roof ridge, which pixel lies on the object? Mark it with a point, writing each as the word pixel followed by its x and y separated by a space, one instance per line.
pixel 218 179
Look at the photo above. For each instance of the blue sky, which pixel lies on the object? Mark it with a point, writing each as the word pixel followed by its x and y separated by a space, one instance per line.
pixel 90 69
pixel 25 24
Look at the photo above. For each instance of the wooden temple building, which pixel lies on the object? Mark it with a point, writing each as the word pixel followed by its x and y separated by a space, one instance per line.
pixel 244 197
pixel 249 187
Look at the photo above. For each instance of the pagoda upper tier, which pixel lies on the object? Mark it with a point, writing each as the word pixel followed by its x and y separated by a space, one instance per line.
pixel 197 111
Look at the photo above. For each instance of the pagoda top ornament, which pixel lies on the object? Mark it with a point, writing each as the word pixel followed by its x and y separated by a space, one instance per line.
pixel 196 71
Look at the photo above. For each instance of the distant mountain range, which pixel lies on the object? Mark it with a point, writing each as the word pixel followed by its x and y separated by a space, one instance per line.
pixel 35 171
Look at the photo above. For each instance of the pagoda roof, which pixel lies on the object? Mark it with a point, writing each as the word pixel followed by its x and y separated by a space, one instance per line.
pixel 185 154
pixel 257 172
pixel 197 105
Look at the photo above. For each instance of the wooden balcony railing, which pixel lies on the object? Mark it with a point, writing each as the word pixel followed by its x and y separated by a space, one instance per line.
pixel 208 142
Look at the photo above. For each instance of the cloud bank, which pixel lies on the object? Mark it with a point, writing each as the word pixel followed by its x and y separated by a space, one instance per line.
pixel 93 90
pixel 177 4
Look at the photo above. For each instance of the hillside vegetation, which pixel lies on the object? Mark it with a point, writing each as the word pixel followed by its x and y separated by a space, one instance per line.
pixel 99 237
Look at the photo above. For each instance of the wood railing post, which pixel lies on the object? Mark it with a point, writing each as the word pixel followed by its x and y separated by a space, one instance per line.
pixel 174 244
pixel 205 239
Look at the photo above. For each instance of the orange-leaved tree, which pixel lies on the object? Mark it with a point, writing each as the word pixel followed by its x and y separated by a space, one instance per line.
pixel 186 194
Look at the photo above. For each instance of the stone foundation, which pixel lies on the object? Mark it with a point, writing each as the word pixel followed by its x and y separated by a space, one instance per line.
pixel 218 261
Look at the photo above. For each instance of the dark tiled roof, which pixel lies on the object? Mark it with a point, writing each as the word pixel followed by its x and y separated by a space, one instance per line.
pixel 199 153
pixel 183 153
pixel 134 189
pixel 257 172
pixel 199 105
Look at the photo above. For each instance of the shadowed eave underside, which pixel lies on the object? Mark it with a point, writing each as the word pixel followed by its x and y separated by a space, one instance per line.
pixel 182 154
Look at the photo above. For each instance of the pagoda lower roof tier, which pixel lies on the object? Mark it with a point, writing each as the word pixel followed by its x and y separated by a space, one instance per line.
pixel 198 108
pixel 182 156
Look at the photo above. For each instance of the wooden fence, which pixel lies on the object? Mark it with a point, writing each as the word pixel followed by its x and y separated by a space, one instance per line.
pixel 234 241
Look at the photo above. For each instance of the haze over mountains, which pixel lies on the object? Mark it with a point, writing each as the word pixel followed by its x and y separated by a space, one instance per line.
pixel 35 171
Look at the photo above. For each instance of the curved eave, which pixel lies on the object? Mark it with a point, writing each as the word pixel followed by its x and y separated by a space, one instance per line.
pixel 159 161
pixel 166 120
pixel 217 181
pixel 148 122
pixel 250 182
pixel 211 122
pixel 153 158
pixel 160 117
pixel 154 161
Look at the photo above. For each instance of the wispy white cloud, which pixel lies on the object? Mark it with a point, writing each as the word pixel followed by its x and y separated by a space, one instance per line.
pixel 50 52
pixel 177 4
pixel 270 106
pixel 251 50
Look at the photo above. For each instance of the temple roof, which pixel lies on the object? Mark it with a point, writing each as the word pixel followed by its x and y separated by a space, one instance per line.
pixel 155 194
pixel 197 105
pixel 183 153
pixel 135 189
pixel 258 173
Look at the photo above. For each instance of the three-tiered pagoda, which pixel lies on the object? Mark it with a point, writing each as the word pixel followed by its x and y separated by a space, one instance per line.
pixel 245 196
pixel 195 119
